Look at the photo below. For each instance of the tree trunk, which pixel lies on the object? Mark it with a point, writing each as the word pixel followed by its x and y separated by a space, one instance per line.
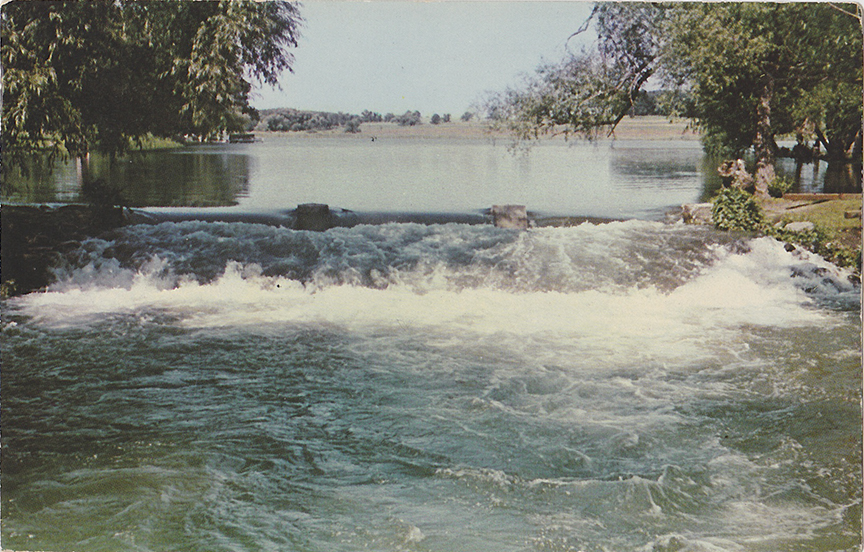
pixel 763 144
pixel 835 148
pixel 820 138
pixel 857 149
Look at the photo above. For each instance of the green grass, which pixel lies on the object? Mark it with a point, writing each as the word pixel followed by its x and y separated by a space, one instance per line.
pixel 151 142
pixel 825 214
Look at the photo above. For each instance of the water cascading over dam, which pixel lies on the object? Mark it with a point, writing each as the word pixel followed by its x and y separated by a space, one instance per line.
pixel 625 386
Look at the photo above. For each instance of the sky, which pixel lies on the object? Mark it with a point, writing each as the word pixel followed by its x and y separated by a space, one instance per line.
pixel 430 56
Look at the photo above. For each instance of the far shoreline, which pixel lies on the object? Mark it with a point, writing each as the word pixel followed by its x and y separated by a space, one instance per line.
pixel 650 127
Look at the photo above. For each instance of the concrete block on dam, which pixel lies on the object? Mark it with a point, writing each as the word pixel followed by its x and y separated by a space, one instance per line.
pixel 313 216
pixel 510 216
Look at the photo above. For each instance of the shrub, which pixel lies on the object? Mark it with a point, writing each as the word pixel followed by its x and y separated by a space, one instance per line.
pixel 735 209
pixel 276 122
pixel 409 118
pixel 370 117
pixel 779 186
pixel 820 241
pixel 353 126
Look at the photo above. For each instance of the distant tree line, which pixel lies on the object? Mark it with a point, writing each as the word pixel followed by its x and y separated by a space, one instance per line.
pixel 438 119
pixel 409 118
pixel 370 117
pixel 294 120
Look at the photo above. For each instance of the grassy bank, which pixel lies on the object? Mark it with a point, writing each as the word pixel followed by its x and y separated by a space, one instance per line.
pixel 836 232
pixel 837 214
pixel 828 226
pixel 150 142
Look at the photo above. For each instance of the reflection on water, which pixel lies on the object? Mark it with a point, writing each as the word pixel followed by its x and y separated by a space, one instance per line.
pixel 822 177
pixel 190 177
pixel 459 175
pixel 40 182
pixel 625 179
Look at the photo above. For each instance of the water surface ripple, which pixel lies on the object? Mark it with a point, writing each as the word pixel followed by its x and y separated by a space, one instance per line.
pixel 628 386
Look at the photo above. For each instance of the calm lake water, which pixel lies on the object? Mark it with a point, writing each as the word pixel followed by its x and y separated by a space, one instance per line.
pixel 622 179
pixel 632 386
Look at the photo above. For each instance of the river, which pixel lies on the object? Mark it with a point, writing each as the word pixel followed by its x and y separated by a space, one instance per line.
pixel 634 385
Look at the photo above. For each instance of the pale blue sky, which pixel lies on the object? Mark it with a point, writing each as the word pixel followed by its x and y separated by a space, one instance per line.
pixel 435 57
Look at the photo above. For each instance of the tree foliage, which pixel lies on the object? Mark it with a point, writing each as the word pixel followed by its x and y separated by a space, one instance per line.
pixel 80 76
pixel 759 70
pixel 370 117
pixel 409 118
pixel 579 95
pixel 753 71
pixel 672 103
pixel 296 120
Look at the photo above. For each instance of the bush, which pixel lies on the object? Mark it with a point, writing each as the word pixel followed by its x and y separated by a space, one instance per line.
pixel 277 122
pixel 735 209
pixel 370 117
pixel 779 186
pixel 353 126
pixel 409 118
pixel 822 242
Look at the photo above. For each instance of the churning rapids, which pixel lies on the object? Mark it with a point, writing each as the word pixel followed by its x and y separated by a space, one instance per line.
pixel 641 386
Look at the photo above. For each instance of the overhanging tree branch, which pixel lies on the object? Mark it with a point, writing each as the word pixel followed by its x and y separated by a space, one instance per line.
pixel 123 69
pixel 856 15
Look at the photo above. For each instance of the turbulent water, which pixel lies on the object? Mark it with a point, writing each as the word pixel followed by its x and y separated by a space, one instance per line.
pixel 628 386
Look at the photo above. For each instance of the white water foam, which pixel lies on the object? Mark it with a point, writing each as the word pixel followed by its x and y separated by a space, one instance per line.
pixel 756 288
pixel 594 389
pixel 751 288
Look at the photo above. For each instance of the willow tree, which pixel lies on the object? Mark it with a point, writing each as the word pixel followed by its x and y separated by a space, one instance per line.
pixel 100 74
pixel 755 70
pixel 759 70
